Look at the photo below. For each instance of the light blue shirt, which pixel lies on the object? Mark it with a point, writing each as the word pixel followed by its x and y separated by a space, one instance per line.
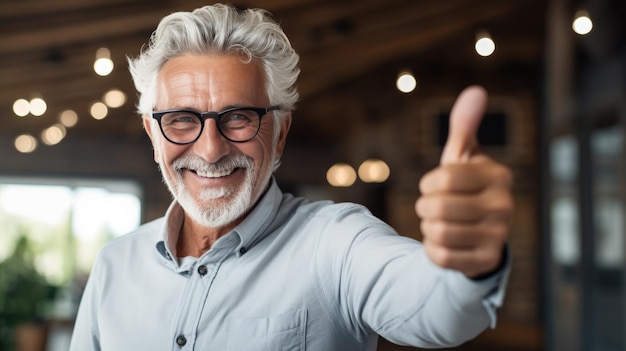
pixel 294 275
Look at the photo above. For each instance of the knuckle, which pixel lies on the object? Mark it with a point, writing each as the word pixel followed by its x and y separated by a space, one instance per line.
pixel 500 232
pixel 445 258
pixel 503 176
pixel 503 208
pixel 430 207
pixel 446 178
pixel 436 231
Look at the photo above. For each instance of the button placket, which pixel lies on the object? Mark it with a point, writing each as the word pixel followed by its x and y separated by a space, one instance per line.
pixel 198 287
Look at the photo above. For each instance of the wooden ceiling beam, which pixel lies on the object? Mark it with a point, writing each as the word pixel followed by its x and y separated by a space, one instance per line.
pixel 13 9
pixel 329 67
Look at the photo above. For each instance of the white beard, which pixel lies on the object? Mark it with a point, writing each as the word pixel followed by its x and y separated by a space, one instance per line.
pixel 216 207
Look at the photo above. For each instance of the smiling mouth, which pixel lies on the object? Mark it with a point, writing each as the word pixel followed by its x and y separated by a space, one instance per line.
pixel 214 174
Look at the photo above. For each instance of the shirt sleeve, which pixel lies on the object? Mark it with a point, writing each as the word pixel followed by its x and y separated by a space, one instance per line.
pixel 85 336
pixel 386 284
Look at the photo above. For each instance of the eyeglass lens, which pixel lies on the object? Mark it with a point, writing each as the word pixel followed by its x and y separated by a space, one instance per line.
pixel 186 126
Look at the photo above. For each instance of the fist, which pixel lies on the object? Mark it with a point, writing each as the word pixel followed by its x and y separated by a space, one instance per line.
pixel 467 202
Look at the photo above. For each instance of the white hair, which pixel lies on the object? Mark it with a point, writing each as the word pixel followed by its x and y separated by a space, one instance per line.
pixel 220 29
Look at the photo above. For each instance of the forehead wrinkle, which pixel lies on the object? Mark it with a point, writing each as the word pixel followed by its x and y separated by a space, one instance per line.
pixel 184 88
pixel 202 86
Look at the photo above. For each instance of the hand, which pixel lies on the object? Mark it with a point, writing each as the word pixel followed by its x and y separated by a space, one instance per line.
pixel 466 202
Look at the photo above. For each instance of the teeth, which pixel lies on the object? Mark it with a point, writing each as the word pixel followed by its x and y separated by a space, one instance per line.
pixel 214 174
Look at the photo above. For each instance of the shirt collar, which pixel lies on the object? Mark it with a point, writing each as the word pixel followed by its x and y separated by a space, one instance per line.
pixel 173 221
pixel 253 228
pixel 250 231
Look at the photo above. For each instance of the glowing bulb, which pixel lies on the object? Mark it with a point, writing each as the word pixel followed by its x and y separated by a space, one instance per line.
pixel 53 135
pixel 485 46
pixel 25 143
pixel 582 23
pixel 99 110
pixel 406 82
pixel 103 65
pixel 373 171
pixel 38 106
pixel 21 107
pixel 114 98
pixel 341 175
pixel 68 118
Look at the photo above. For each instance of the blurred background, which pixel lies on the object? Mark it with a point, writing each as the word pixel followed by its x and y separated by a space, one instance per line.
pixel 378 80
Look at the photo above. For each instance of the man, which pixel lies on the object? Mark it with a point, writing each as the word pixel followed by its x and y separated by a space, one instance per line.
pixel 235 264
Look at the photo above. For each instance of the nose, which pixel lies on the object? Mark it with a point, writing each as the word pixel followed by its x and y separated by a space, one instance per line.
pixel 211 145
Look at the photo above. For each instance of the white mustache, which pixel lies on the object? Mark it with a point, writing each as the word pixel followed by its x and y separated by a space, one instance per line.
pixel 221 168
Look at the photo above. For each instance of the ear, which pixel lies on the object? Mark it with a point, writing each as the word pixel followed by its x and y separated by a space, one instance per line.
pixel 284 126
pixel 147 125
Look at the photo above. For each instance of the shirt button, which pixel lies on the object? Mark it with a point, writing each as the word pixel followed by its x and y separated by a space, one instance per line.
pixel 202 270
pixel 242 250
pixel 181 340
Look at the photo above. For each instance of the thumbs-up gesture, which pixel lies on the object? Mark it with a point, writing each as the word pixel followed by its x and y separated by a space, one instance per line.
pixel 466 202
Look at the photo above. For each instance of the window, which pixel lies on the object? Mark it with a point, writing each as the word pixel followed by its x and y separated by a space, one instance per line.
pixel 66 221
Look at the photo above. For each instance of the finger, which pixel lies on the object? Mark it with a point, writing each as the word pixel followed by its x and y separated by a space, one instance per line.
pixel 466 178
pixel 453 178
pixel 494 203
pixel 465 118
pixel 457 235
pixel 453 235
pixel 471 262
pixel 449 207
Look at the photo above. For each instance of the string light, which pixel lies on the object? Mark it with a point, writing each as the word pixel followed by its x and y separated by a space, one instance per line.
pixel 341 175
pixel 68 118
pixel 582 23
pixel 484 46
pixel 38 106
pixel 114 98
pixel 99 110
pixel 406 82
pixel 21 107
pixel 53 135
pixel 103 65
pixel 374 171
pixel 25 143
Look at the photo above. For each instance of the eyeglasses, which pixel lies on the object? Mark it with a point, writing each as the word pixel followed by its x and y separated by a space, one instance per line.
pixel 237 124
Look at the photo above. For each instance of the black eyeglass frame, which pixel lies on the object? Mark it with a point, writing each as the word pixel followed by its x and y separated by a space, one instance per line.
pixel 203 116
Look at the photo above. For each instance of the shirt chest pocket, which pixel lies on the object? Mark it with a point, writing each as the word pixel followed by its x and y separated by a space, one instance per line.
pixel 284 332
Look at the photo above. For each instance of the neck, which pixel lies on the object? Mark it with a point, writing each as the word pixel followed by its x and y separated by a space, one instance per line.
pixel 195 239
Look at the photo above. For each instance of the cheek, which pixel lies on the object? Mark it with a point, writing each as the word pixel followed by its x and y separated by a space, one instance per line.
pixel 165 152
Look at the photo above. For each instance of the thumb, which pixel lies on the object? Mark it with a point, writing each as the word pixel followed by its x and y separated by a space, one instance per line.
pixel 465 118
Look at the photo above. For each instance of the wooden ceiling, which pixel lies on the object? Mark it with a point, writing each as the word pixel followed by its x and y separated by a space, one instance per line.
pixel 47 49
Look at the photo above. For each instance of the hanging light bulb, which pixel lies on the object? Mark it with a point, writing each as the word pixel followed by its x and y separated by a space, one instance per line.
pixel 114 98
pixel 341 175
pixel 103 65
pixel 68 118
pixel 485 46
pixel 53 135
pixel 38 106
pixel 373 171
pixel 406 82
pixel 25 143
pixel 99 110
pixel 582 23
pixel 21 107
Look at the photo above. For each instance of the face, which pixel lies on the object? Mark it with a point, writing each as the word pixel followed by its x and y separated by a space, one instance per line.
pixel 216 181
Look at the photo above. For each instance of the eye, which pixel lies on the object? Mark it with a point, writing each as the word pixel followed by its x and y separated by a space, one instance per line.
pixel 179 118
pixel 239 119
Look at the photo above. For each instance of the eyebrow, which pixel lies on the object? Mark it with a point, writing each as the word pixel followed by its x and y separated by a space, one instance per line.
pixel 187 108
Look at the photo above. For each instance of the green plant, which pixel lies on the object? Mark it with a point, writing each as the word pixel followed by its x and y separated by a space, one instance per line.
pixel 24 292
